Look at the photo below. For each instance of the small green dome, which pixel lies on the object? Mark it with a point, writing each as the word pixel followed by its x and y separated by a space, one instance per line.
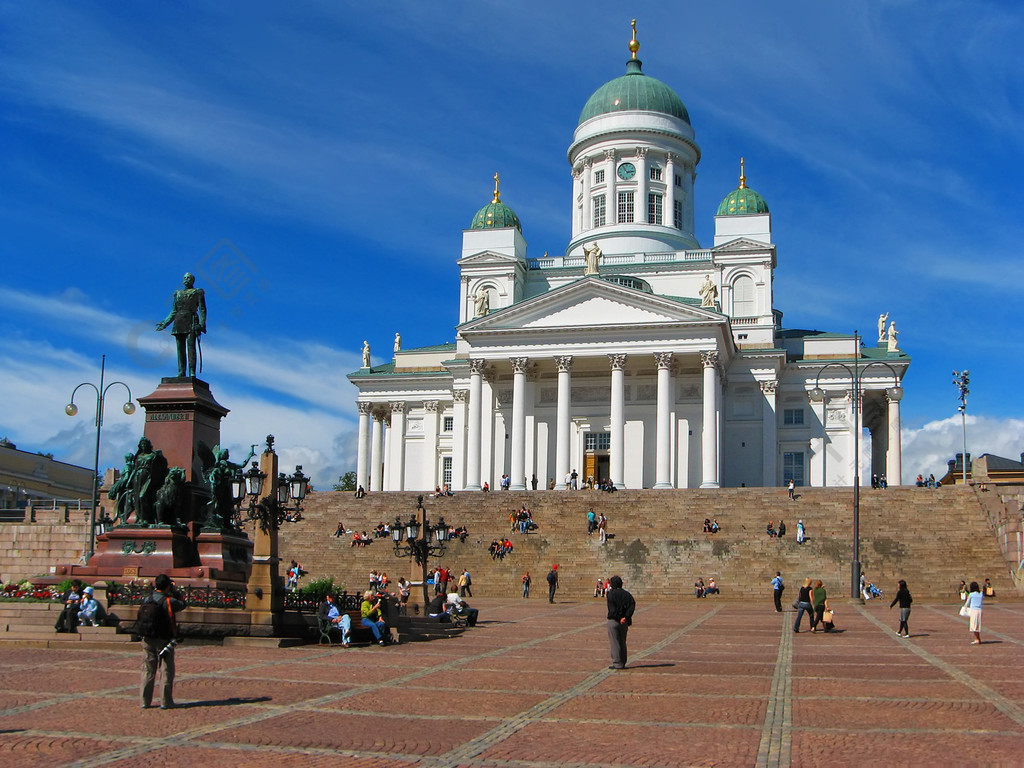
pixel 495 215
pixel 743 199
pixel 634 91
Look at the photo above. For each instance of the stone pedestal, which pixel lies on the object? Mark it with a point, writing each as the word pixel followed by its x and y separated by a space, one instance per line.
pixel 179 414
pixel 265 596
pixel 131 552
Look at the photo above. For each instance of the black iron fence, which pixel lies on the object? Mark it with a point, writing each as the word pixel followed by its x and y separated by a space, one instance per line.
pixel 196 597
pixel 297 601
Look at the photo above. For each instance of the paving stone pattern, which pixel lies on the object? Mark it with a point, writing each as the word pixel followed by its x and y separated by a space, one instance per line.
pixel 708 683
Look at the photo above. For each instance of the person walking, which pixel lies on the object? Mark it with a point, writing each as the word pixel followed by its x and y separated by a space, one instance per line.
pixel 526 584
pixel 158 627
pixel 803 604
pixel 904 599
pixel 801 533
pixel 552 582
pixel 620 616
pixel 819 599
pixel 777 589
pixel 973 606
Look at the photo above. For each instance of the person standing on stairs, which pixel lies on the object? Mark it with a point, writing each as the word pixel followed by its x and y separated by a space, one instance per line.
pixel 552 582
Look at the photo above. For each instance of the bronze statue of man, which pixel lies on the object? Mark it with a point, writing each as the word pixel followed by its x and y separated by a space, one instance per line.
pixel 188 313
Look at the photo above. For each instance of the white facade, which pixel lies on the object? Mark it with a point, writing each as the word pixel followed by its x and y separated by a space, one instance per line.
pixel 624 374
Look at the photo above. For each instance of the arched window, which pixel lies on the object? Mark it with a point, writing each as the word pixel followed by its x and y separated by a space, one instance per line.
pixel 744 303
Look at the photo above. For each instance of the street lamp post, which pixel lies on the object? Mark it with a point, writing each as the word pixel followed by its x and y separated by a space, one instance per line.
pixel 418 547
pixel 962 381
pixel 71 410
pixel 817 395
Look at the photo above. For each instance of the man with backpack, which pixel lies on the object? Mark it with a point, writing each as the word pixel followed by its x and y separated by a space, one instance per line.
pixel 157 626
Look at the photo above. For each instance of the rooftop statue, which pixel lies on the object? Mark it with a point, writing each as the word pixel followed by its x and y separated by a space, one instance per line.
pixel 593 254
pixel 708 293
pixel 881 326
pixel 188 314
pixel 366 354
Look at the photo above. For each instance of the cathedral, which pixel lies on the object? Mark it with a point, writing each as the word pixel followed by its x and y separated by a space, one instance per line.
pixel 635 357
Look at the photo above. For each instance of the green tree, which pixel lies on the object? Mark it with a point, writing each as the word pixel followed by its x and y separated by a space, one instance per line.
pixel 346 482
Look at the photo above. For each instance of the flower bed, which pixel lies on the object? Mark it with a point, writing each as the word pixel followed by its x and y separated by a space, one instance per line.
pixel 26 591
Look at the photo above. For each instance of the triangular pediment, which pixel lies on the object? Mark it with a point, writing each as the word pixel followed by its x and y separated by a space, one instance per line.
pixel 743 244
pixel 591 303
pixel 484 258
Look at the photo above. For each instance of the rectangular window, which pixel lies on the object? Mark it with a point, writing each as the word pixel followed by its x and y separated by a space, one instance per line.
pixel 654 211
pixel 449 423
pixel 598 441
pixel 446 470
pixel 679 180
pixel 599 214
pixel 655 173
pixel 793 467
pixel 625 209
pixel 677 214
pixel 793 417
pixel 599 176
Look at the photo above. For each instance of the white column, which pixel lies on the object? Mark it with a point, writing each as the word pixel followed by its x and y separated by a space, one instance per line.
pixel 668 215
pixel 663 443
pixel 376 454
pixel 363 447
pixel 611 209
pixel 518 462
pixel 640 215
pixel 396 447
pixel 616 459
pixel 563 418
pixel 476 372
pixel 587 221
pixel 709 430
pixel 459 422
pixel 385 452
pixel 769 432
pixel 894 456
pixel 431 428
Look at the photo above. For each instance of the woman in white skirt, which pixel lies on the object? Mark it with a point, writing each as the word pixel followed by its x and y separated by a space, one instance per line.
pixel 973 606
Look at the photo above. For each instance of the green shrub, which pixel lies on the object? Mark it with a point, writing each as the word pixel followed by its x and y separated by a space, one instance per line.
pixel 317 588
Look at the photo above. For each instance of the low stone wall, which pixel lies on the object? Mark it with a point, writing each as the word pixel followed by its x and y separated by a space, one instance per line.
pixel 47 536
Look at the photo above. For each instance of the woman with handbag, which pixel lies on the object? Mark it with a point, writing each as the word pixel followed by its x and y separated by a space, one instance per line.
pixel 803 604
pixel 973 611
pixel 904 599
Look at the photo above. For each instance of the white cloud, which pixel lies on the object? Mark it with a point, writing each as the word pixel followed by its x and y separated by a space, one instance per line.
pixel 927 449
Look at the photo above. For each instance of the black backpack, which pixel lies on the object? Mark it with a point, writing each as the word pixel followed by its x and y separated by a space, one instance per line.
pixel 153 621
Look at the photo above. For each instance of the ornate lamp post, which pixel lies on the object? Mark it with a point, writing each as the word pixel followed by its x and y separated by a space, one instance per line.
pixel 962 381
pixel 433 542
pixel 71 410
pixel 817 395
pixel 265 594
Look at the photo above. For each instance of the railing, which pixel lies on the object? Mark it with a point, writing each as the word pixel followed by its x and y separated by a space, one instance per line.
pixel 555 262
pixel 196 597
pixel 297 601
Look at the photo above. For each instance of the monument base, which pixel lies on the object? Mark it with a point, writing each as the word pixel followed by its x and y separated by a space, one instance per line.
pixel 133 553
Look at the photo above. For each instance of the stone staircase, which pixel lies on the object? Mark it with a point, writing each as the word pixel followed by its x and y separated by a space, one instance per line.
pixel 31 624
pixel 932 538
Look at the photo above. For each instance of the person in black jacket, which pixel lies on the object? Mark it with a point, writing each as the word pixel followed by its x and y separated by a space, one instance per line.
pixel 160 649
pixel 904 599
pixel 620 616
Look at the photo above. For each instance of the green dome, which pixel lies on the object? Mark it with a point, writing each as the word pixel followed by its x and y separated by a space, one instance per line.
pixel 740 201
pixel 495 216
pixel 634 91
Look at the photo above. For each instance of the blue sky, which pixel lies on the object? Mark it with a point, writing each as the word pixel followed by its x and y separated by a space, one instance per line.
pixel 337 151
